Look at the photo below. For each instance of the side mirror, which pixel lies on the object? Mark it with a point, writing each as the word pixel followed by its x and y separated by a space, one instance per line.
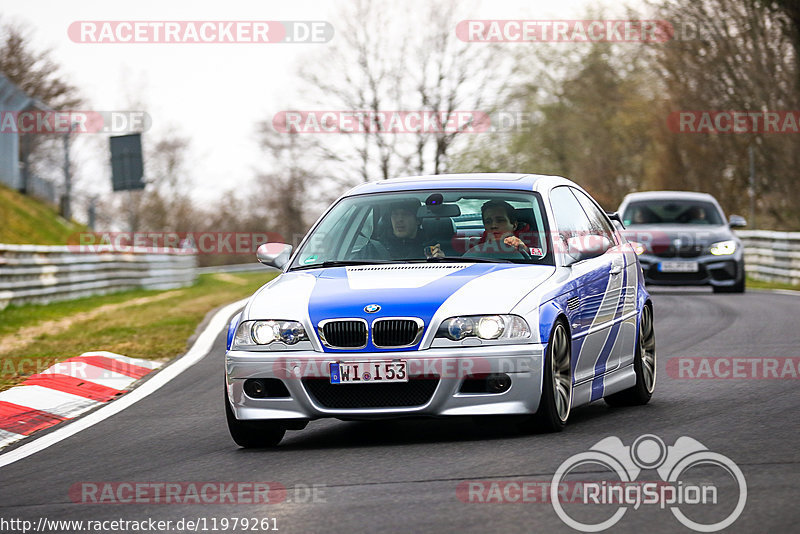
pixel 274 254
pixel 585 247
pixel 737 221
pixel 615 216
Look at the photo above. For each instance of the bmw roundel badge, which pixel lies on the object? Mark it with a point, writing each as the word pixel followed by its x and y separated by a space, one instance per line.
pixel 372 308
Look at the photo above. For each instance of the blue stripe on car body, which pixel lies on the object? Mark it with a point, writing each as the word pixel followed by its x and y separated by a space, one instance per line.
pixel 598 383
pixel 332 298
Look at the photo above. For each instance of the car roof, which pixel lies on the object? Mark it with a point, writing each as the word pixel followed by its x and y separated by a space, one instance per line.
pixel 668 195
pixel 515 181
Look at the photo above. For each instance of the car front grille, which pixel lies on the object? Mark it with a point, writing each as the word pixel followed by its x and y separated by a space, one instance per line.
pixel 415 392
pixel 395 332
pixel 657 276
pixel 346 334
pixel 671 251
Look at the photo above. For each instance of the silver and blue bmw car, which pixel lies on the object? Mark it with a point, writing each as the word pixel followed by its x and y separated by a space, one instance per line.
pixel 449 295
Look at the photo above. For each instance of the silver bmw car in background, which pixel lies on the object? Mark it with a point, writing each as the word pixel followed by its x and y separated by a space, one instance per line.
pixel 685 239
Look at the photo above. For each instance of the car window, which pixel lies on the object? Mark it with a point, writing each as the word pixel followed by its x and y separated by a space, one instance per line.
pixel 597 219
pixel 570 217
pixel 670 211
pixel 404 226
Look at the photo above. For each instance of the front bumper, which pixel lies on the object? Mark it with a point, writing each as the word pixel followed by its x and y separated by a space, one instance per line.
pixel 447 367
pixel 717 271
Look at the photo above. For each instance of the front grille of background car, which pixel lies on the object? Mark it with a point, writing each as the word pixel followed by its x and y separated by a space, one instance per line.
pixel 345 334
pixel 671 251
pixel 656 275
pixel 415 392
pixel 394 332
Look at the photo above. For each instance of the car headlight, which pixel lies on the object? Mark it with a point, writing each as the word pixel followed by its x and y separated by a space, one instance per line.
pixel 723 248
pixel 266 332
pixel 484 327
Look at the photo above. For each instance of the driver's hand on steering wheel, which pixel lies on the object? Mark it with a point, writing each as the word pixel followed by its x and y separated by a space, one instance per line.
pixel 514 241
pixel 434 251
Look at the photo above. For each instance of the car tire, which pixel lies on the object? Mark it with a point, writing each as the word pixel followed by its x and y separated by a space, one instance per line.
pixel 253 434
pixel 556 396
pixel 644 365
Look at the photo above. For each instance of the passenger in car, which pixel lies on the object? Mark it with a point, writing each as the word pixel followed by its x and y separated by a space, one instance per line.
pixel 503 233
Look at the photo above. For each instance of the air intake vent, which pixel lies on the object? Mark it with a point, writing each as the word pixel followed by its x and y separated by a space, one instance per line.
pixel 573 303
pixel 344 334
pixel 396 332
pixel 415 392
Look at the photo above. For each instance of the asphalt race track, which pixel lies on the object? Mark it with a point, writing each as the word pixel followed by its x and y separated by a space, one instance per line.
pixel 403 476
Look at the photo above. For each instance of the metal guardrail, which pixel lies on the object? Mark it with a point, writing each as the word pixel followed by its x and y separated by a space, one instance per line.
pixel 772 256
pixel 235 268
pixel 42 274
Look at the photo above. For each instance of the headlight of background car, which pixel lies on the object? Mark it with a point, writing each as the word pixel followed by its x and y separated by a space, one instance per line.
pixel 723 248
pixel 265 332
pixel 484 327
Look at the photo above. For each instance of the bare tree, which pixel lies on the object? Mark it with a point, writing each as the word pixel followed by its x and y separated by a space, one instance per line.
pixel 40 77
pixel 374 67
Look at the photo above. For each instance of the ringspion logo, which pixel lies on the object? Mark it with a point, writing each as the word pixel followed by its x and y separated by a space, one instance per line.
pixel 677 490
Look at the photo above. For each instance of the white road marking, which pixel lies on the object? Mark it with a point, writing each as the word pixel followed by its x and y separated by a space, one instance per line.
pixel 198 351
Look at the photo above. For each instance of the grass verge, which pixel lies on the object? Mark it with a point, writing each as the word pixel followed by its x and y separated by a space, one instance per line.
pixel 27 220
pixel 153 325
pixel 759 284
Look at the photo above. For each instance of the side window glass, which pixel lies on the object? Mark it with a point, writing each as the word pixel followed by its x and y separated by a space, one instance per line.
pixel 597 220
pixel 570 218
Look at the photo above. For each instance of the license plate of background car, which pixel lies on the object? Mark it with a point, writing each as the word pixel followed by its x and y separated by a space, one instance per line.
pixel 678 267
pixel 369 372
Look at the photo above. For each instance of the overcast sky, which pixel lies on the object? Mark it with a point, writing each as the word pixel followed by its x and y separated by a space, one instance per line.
pixel 213 93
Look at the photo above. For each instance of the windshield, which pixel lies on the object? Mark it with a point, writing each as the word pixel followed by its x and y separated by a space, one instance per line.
pixel 422 226
pixel 671 212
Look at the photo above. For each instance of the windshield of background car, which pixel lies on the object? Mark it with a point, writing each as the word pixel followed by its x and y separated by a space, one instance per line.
pixel 671 212
pixel 426 226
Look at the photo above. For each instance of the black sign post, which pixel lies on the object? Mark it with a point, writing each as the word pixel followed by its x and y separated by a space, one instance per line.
pixel 127 168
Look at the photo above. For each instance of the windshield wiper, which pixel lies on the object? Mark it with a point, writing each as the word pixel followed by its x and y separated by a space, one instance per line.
pixel 340 263
pixel 458 259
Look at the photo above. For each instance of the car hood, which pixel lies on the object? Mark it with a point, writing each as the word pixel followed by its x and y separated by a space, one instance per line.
pixel 682 235
pixel 426 291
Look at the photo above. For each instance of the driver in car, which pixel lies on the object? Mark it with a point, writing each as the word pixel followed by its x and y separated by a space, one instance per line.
pixel 406 240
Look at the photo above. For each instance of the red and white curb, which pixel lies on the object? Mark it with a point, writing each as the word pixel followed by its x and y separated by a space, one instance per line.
pixel 66 390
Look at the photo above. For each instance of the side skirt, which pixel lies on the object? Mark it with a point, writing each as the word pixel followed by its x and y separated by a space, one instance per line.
pixel 613 381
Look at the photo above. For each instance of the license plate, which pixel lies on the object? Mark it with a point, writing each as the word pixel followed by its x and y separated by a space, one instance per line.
pixel 678 267
pixel 369 372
